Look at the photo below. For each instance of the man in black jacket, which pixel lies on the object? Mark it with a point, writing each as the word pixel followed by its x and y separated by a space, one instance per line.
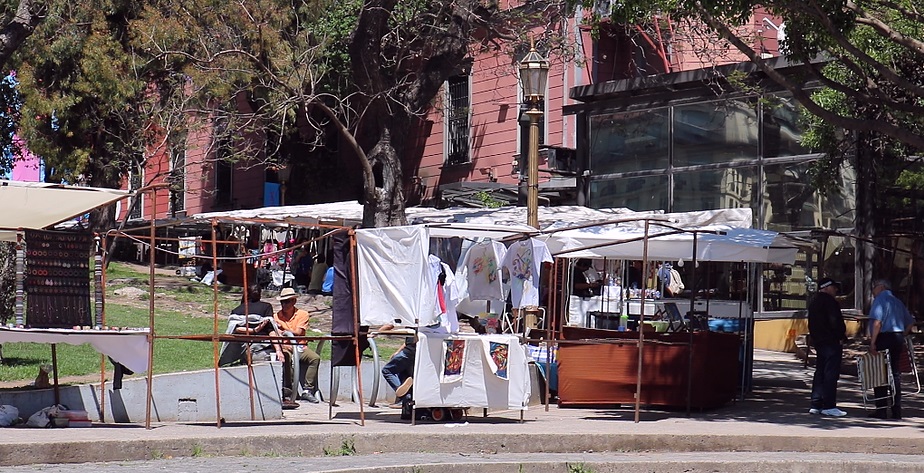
pixel 828 332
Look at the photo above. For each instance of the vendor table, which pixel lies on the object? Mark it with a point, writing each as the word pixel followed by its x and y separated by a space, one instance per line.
pixel 600 367
pixel 478 384
pixel 127 347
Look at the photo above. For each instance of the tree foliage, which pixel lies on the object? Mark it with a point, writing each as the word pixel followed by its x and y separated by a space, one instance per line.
pixel 867 54
pixel 368 69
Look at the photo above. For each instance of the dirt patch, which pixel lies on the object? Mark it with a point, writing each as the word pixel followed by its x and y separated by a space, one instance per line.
pixel 171 293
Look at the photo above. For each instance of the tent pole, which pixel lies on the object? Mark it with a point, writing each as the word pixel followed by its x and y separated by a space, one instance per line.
pixel 692 312
pixel 641 323
pixel 151 245
pixel 215 354
pixel 253 412
pixel 355 294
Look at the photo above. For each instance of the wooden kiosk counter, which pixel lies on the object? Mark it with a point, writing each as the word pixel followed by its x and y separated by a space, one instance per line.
pixel 600 367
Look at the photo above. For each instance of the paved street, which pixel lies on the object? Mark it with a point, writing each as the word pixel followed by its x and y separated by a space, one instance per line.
pixel 744 462
pixel 772 419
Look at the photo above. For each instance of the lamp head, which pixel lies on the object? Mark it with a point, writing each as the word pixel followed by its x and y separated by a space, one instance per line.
pixel 534 73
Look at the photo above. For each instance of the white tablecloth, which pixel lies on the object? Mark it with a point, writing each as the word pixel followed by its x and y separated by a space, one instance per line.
pixel 130 348
pixel 479 386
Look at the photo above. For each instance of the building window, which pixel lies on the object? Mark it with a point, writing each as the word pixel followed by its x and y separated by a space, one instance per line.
pixel 715 132
pixel 458 120
pixel 639 193
pixel 782 128
pixel 224 174
pixel 177 180
pixel 728 188
pixel 630 141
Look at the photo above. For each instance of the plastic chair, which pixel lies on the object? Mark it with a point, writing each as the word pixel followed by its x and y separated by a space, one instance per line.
pixel 296 362
pixel 676 322
pixel 873 371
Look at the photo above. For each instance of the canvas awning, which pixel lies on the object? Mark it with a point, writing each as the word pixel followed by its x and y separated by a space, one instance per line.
pixel 37 205
pixel 672 242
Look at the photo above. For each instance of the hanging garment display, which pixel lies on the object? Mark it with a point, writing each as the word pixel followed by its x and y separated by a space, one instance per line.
pixel 524 262
pixel 480 271
pixel 446 295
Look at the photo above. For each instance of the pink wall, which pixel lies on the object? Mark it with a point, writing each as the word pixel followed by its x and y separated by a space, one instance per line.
pixel 28 167
pixel 495 130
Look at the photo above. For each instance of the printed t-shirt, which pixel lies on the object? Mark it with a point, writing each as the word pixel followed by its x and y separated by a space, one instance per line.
pixel 524 261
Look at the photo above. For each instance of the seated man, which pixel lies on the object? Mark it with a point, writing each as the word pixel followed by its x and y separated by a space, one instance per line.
pixel 251 317
pixel 293 322
pixel 399 370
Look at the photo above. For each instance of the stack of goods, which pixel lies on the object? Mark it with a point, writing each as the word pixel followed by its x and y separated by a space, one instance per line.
pixel 76 418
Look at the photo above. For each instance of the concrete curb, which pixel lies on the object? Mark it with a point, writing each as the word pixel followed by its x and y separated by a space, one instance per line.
pixel 317 444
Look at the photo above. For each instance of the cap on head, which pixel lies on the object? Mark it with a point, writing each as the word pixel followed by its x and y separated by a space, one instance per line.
pixel 287 293
pixel 827 282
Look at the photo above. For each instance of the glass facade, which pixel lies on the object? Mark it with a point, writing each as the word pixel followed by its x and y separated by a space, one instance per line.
pixel 715 132
pixel 728 188
pixel 636 193
pixel 735 153
pixel 630 141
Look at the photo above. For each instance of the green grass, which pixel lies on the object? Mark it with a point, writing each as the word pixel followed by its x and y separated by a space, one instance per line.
pixel 22 360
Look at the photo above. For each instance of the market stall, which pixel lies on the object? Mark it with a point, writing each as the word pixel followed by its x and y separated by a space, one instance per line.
pixel 653 356
pixel 400 281
pixel 53 272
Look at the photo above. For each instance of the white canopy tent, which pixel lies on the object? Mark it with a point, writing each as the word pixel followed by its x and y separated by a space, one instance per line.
pixel 569 231
pixel 351 212
pixel 713 243
pixel 38 205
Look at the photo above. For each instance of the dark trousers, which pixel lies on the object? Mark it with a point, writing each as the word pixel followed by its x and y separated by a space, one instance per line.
pixel 827 372
pixel 895 343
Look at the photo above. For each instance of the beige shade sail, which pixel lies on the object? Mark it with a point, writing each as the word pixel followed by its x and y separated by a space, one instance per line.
pixel 37 205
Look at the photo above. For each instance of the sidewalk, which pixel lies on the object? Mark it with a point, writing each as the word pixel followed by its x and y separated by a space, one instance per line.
pixel 773 418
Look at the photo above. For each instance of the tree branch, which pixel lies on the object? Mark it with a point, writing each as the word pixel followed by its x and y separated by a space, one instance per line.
pixel 29 14
pixel 898 132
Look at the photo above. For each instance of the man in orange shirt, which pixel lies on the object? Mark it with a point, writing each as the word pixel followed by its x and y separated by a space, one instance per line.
pixel 294 322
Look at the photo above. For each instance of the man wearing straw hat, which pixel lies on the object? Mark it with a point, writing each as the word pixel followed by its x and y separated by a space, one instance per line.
pixel 293 322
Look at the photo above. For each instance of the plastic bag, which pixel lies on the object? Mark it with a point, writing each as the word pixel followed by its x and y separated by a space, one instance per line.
pixel 9 415
pixel 42 418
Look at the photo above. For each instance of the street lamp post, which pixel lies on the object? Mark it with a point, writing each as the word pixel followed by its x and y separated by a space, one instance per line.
pixel 534 74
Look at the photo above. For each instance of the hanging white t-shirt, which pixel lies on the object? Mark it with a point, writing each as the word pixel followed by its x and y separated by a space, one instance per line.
pixel 481 270
pixel 524 262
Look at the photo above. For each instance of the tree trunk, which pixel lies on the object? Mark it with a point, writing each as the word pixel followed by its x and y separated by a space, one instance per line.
pixel 865 221
pixel 29 14
pixel 390 205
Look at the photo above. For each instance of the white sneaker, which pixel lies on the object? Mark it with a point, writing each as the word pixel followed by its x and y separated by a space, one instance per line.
pixel 814 411
pixel 833 412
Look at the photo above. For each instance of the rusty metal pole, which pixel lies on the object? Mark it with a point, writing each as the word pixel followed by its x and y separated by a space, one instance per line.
pixel 641 324
pixel 250 383
pixel 355 291
pixel 151 333
pixel 215 353
pixel 692 316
